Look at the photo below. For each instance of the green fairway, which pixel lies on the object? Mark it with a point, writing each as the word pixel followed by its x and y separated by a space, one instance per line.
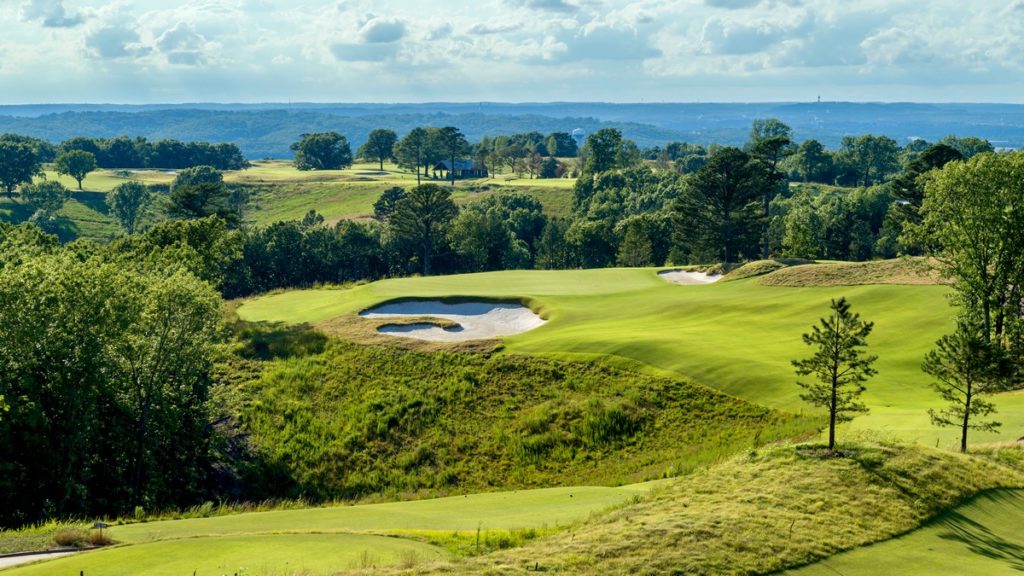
pixel 549 507
pixel 322 539
pixel 276 555
pixel 737 336
pixel 980 537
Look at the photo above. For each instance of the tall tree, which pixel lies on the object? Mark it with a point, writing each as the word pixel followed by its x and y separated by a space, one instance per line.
pixel 452 143
pixel 973 222
pixel 838 365
pixel 422 219
pixel 410 151
pixel 869 158
pixel 770 143
pixel 813 162
pixel 379 146
pixel 202 200
pixel 603 151
pixel 18 165
pixel 75 163
pixel 718 208
pixel 322 151
pixel 128 202
pixel 966 368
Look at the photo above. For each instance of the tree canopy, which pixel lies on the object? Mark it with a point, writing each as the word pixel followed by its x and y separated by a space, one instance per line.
pixel 322 151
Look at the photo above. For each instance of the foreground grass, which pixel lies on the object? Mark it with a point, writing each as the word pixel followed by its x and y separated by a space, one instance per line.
pixel 982 536
pixel 767 511
pixel 736 336
pixel 262 555
pixel 336 538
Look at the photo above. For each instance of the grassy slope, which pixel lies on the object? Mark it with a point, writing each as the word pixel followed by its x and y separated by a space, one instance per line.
pixel 360 420
pixel 982 536
pixel 736 336
pixel 764 512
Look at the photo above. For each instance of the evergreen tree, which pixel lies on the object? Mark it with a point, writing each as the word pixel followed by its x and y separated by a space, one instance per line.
pixel 965 368
pixel 839 365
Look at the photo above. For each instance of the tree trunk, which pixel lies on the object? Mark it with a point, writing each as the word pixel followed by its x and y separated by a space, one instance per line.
pixel 967 416
pixel 832 418
pixel 427 246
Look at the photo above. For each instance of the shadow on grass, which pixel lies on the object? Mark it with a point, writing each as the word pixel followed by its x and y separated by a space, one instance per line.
pixel 96 201
pixel 981 539
pixel 262 341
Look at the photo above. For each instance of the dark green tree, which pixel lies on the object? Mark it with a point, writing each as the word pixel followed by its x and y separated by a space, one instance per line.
pixel 411 150
pixel 770 143
pixel 385 204
pixel 202 200
pixel 966 369
pixel 18 165
pixel 128 202
pixel 48 196
pixel 75 163
pixel 453 145
pixel 717 211
pixel 604 150
pixel 379 146
pixel 322 151
pixel 203 174
pixel 813 162
pixel 838 365
pixel 422 219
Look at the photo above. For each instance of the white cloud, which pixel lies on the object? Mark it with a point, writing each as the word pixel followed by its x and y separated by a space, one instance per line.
pixel 52 13
pixel 382 30
pixel 114 42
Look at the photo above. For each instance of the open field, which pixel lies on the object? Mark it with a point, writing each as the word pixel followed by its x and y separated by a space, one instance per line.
pixel 982 536
pixel 735 336
pixel 284 193
pixel 323 540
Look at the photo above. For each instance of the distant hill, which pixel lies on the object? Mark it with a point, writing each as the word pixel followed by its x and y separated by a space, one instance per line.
pixel 266 130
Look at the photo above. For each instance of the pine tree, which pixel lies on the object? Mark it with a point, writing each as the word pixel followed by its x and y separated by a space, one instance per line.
pixel 839 364
pixel 965 367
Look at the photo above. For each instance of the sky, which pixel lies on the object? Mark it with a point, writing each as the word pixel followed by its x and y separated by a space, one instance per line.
pixel 147 51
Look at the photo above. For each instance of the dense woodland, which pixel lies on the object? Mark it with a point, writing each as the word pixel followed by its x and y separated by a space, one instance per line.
pixel 110 352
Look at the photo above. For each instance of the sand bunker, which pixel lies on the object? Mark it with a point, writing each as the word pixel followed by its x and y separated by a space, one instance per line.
pixel 476 320
pixel 689 278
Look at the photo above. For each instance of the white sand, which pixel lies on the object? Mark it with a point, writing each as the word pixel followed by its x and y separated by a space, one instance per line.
pixel 689 278
pixel 476 320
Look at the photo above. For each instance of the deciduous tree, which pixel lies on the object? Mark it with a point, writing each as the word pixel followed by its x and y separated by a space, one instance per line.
pixel 322 151
pixel 129 202
pixel 75 163
pixel 379 146
pixel 18 165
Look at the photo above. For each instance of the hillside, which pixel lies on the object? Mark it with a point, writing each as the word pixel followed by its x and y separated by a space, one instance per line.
pixel 266 130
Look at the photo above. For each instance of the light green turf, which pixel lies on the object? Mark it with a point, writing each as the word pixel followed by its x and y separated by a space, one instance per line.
pixel 980 537
pixel 737 336
pixel 105 180
pixel 275 537
pixel 549 507
pixel 281 554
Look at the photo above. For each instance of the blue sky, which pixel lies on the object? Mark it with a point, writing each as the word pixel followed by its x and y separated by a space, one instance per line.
pixel 511 50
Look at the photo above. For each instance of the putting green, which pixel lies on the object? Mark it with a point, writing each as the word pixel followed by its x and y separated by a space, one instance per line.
pixel 282 554
pixel 980 537
pixel 737 336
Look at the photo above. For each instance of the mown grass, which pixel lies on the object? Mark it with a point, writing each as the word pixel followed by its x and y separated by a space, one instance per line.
pixel 324 540
pixel 736 336
pixel 358 420
pixel 982 536
pixel 248 555
pixel 765 511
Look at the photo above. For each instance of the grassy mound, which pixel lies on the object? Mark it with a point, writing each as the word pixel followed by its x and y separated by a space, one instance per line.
pixel 762 267
pixel 766 511
pixel 906 271
pixel 359 420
